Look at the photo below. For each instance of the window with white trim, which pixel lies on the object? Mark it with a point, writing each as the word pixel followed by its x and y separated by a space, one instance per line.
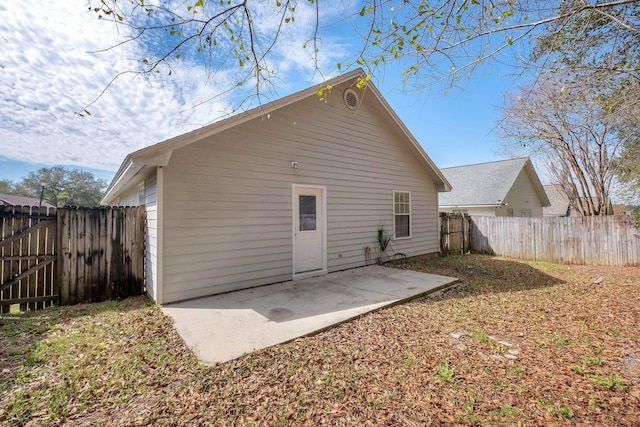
pixel 401 214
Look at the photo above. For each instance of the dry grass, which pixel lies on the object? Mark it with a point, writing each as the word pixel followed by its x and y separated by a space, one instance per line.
pixel 576 345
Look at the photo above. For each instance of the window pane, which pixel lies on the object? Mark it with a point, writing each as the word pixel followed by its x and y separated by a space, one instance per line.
pixel 402 226
pixel 307 213
pixel 402 203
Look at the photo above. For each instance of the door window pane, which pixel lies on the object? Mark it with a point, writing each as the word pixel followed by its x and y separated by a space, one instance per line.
pixel 307 213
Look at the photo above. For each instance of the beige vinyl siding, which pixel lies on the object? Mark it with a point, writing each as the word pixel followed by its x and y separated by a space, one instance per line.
pixel 522 195
pixel 228 198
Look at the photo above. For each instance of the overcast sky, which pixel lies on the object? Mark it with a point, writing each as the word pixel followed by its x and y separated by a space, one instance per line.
pixel 49 71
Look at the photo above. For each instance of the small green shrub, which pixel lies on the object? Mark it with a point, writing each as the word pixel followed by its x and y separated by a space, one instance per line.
pixel 481 335
pixel 564 412
pixel 515 369
pixel 447 374
pixel 384 241
pixel 581 369
pixel 613 382
pixel 594 361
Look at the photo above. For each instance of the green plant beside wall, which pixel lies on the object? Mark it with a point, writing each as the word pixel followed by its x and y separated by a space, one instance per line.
pixel 384 245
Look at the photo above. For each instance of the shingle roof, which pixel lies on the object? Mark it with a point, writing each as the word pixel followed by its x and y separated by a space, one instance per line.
pixel 484 184
pixel 13 200
pixel 559 201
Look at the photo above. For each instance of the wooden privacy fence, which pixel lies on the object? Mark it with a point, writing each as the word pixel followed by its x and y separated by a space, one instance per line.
pixel 594 240
pixel 27 257
pixel 101 253
pixel 454 233
pixel 70 255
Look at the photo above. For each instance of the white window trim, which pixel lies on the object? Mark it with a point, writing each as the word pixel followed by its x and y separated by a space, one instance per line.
pixel 393 211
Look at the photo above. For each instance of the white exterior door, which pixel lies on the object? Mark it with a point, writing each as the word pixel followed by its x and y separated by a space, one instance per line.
pixel 308 230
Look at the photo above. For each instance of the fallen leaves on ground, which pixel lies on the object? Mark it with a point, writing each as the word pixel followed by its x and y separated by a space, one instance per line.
pixel 571 334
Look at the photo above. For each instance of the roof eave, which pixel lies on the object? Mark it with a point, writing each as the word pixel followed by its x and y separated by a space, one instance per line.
pixel 148 156
pixel 158 153
pixel 222 125
pixel 539 188
pixel 118 181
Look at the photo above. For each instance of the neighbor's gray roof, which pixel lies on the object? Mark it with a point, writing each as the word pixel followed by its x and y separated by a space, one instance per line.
pixel 559 201
pixel 13 200
pixel 486 184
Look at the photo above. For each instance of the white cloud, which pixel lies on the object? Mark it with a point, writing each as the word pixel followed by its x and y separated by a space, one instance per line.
pixel 290 56
pixel 48 74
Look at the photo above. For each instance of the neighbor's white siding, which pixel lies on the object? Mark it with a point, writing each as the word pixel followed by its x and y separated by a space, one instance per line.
pixel 227 199
pixel 130 197
pixel 522 195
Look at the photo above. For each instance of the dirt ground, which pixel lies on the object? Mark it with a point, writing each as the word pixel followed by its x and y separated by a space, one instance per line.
pixel 515 343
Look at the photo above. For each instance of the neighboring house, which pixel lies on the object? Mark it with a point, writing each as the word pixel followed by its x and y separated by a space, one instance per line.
pixel 294 188
pixel 560 204
pixel 13 200
pixel 502 188
pixel 619 209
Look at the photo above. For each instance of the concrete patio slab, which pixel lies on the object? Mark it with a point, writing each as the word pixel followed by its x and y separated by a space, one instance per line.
pixel 223 327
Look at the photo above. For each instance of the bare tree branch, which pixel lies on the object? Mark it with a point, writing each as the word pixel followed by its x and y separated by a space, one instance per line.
pixel 568 125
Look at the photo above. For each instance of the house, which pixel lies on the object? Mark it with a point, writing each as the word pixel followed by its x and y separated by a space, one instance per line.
pixel 291 189
pixel 565 202
pixel 501 188
pixel 559 202
pixel 619 209
pixel 14 200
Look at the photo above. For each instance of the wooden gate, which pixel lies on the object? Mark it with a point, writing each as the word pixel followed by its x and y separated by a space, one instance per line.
pixel 101 253
pixel 70 255
pixel 454 233
pixel 27 257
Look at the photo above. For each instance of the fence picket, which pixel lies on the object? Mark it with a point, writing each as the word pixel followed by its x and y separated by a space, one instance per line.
pixel 595 240
pixel 70 255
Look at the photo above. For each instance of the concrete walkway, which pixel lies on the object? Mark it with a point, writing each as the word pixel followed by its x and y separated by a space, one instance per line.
pixel 223 327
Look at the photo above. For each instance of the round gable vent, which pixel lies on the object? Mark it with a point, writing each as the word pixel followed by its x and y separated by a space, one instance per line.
pixel 351 99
